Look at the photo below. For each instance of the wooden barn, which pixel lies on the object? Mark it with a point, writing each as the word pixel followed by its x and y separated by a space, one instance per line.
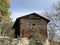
pixel 24 25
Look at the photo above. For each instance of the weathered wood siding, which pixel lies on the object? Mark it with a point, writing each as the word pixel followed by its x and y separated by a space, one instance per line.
pixel 27 23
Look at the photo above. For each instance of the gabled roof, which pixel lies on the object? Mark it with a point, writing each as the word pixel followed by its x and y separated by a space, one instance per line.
pixel 35 14
pixel 17 20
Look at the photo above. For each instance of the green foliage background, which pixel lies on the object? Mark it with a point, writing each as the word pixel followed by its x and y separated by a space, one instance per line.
pixel 5 20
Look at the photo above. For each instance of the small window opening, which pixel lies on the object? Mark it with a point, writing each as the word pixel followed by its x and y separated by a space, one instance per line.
pixel 33 24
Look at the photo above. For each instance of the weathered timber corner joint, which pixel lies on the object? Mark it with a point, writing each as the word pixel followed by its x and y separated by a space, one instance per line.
pixel 24 25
